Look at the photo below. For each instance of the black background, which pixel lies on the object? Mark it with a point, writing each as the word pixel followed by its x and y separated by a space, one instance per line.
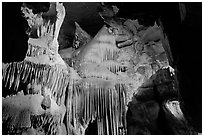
pixel 185 38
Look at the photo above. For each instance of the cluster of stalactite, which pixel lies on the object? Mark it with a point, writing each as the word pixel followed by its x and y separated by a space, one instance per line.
pixel 87 99
pixel 102 76
pixel 38 109
pixel 51 77
pixel 34 50
pixel 96 99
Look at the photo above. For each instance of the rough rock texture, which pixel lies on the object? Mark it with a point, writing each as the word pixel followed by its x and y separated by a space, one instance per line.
pixel 122 79
pixel 23 114
pixel 40 109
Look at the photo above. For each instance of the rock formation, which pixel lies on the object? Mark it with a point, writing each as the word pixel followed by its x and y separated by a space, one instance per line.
pixel 122 79
pixel 40 109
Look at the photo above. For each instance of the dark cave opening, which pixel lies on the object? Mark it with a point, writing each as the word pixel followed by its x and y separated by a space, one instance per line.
pixel 92 128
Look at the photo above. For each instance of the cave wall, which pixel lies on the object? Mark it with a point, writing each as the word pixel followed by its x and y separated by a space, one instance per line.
pixel 182 36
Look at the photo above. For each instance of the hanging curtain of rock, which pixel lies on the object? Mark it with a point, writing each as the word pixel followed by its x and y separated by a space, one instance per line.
pixel 42 64
pixel 53 78
pixel 39 110
pixel 98 80
pixel 96 99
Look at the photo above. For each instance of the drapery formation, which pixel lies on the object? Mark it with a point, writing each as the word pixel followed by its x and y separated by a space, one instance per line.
pixel 97 80
pixel 39 109
pixel 95 99
pixel 52 77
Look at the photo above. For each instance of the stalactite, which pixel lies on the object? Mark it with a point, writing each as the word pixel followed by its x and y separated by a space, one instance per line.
pixel 35 71
pixel 25 72
pixel 7 73
pixel 96 101
pixel 95 90
pixel 34 50
pixel 4 67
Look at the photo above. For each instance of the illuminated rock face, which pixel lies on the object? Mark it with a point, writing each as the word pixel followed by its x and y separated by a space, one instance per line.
pixel 121 79
pixel 40 109
pixel 44 48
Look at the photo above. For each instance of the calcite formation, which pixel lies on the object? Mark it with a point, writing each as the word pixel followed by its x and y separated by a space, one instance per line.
pixel 121 79
pixel 40 109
